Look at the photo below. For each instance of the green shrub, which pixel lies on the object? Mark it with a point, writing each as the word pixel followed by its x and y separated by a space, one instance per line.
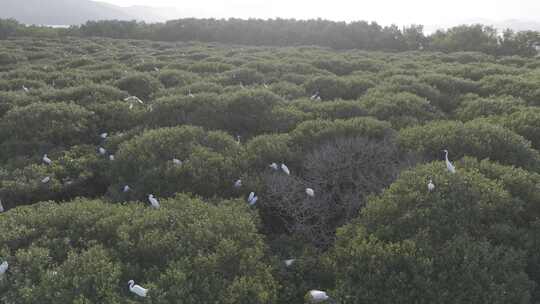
pixel 475 138
pixel 310 134
pixel 521 87
pixel 174 78
pixel 145 163
pixel 46 126
pixel 525 122
pixel 474 107
pixel 402 109
pixel 86 94
pixel 140 85
pixel 86 251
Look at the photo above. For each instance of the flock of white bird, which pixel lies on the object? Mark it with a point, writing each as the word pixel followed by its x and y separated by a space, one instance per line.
pixel 315 296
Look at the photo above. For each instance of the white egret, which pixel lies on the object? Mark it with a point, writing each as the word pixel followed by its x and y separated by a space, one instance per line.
pixel 189 93
pixel 153 201
pixel 274 166
pixel 3 268
pixel 1 207
pixel 126 188
pixel 252 199
pixel 103 135
pixel 430 185
pixel 102 151
pixel 156 69
pixel 111 157
pixel 289 262
pixel 317 296
pixel 238 184
pixel 241 85
pixel 238 139
pixel 449 165
pixel 310 192
pixel 46 159
pixel 137 289
pixel 265 86
pixel 315 96
pixel 176 161
pixel 285 169
pixel 25 89
pixel 133 99
pixel 46 179
pixel 131 106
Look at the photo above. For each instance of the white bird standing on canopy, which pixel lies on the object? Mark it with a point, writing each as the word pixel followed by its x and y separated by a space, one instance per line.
pixel 274 166
pixel 25 89
pixel 315 96
pixel 449 165
pixel 317 296
pixel 285 169
pixel 111 157
pixel 46 179
pixel 133 99
pixel 126 188
pixel 153 201
pixel 1 207
pixel 176 161
pixel 102 151
pixel 310 192
pixel 430 185
pixel 103 135
pixel 238 184
pixel 289 262
pixel 189 93
pixel 238 139
pixel 3 268
pixel 46 159
pixel 137 289
pixel 252 199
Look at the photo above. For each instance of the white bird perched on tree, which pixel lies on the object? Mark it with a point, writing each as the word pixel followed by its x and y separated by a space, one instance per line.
pixel 3 268
pixel 153 201
pixel 46 179
pixel 238 183
pixel 46 159
pixel 238 137
pixel 176 161
pixel 317 296
pixel 252 199
pixel 449 165
pixel 25 89
pixel 126 188
pixel 274 166
pixel 315 96
pixel 430 185
pixel 102 151
pixel 111 157
pixel 289 262
pixel 1 207
pixel 189 93
pixel 156 69
pixel 285 169
pixel 103 135
pixel 133 99
pixel 310 192
pixel 265 85
pixel 137 289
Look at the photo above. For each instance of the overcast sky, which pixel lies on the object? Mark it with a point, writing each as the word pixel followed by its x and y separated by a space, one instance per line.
pixel 429 12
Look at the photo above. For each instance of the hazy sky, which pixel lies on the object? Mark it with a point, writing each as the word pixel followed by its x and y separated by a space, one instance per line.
pixel 440 12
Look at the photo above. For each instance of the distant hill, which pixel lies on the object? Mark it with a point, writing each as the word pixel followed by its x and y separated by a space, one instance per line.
pixel 72 12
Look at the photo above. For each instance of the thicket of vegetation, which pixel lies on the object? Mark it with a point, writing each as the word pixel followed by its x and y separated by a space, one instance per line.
pixel 90 127
pixel 290 32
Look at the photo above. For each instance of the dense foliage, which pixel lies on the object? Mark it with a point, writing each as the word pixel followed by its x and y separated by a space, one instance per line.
pixel 338 147
pixel 291 32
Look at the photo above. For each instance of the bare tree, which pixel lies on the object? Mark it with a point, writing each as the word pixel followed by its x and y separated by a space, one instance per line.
pixel 342 173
